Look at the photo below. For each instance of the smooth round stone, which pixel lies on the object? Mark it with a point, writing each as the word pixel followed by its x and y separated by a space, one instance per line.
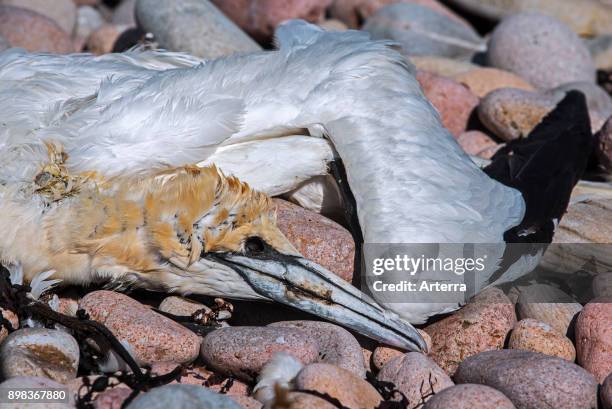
pixel 606 393
pixel 349 389
pixel 39 352
pixel 12 318
pixel 416 376
pixel 601 51
pixel 478 143
pixel 531 380
pixel 317 238
pixel 259 18
pixel 88 21
pixel 124 13
pixel 63 12
pixel 598 100
pixel 602 285
pixel 445 67
pixel 27 29
pixel 353 12
pixel 193 26
pixel 27 382
pixel 337 346
pixel 532 335
pixel 384 354
pixel 537 301
pixel 103 40
pixel 197 375
pixel 594 338
pixel 112 398
pixel 481 81
pixel 181 306
pixel 299 400
pixel 585 17
pixel 182 397
pixel 246 402
pixel 481 325
pixel 454 101
pixel 422 31
pixel 151 336
pixel 243 351
pixel 540 49
pixel 469 396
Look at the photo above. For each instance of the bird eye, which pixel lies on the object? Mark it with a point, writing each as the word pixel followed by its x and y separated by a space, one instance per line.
pixel 254 245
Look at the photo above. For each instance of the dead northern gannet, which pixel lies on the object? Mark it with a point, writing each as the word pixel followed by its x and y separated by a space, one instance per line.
pixel 94 150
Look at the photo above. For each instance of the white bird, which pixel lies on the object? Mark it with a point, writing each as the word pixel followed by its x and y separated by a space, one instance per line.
pixel 120 127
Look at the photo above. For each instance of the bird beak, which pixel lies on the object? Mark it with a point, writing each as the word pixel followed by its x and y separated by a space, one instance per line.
pixel 305 285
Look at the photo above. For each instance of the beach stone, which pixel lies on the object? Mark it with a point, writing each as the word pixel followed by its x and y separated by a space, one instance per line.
pixel 469 396
pixel 39 352
pixel 300 400
pixel 317 238
pixel 384 354
pixel 198 375
pixel 481 325
pixel 246 402
pixel 193 26
pixel 11 318
pixel 601 51
pixel 27 29
pixel 422 31
pixel 606 393
pixel 477 143
pixel 181 306
pixel 416 376
pixel 594 338
pixel 585 17
pixel 102 41
pixel 150 336
pixel 454 101
pixel 603 150
pixel 26 382
pixel 483 80
pixel 598 101
pixel 445 67
pixel 112 398
pixel 243 351
pixel 583 222
pixel 531 380
pixel 182 397
pixel 354 12
pixel 550 305
pixel 536 336
pixel 337 346
pixel 123 15
pixel 349 389
pixel 259 18
pixel 602 285
pixel 540 49
pixel 63 12
pixel 88 21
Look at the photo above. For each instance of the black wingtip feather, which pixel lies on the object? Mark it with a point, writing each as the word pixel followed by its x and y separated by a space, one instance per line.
pixel 546 166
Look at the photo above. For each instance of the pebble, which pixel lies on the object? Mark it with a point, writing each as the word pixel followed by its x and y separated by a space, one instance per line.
pixel 422 31
pixel 124 14
pixel 32 31
pixel 601 51
pixel 63 12
pixel 383 354
pixel 243 351
pixel 540 49
pixel 606 393
pixel 594 338
pixel 88 21
pixel 299 400
pixel 446 67
pixel 536 336
pixel 416 376
pixel 481 81
pixel 477 143
pixel 246 402
pixel 454 101
pixel 182 397
pixel 12 318
pixel 353 12
pixel 603 150
pixel 193 26
pixel 317 238
pixel 481 325
pixel 602 285
pixel 531 380
pixel 21 382
pixel 469 396
pixel 337 346
pixel 181 306
pixel 151 336
pixel 102 41
pixel 260 18
pixel 349 389
pixel 39 352
pixel 533 302
pixel 112 398
pixel 585 17
pixel 583 222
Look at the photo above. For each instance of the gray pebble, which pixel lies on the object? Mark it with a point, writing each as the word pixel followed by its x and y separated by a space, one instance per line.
pixel 182 397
